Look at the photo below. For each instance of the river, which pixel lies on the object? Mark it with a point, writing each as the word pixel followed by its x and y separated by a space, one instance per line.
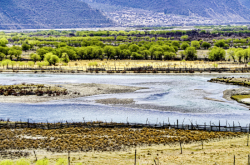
pixel 169 97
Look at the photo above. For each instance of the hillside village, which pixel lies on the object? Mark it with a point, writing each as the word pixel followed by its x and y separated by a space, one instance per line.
pixel 140 17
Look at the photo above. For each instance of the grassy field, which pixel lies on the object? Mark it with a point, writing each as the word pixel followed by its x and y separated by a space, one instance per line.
pixel 213 152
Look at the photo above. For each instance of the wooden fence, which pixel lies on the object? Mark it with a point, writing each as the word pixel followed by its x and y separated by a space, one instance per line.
pixel 60 125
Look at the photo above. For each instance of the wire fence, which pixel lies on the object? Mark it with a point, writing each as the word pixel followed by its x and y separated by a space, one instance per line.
pixel 61 125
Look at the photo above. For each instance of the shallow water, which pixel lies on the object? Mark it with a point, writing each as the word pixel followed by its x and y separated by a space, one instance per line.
pixel 169 97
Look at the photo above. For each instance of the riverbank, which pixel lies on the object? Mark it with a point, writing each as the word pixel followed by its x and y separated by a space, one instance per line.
pixel 75 72
pixel 74 91
pixel 241 95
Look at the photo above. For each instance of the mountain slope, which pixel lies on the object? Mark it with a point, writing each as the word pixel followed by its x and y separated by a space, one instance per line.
pixel 26 14
pixel 217 9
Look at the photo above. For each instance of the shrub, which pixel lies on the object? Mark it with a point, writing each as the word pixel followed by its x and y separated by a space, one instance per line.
pixel 51 58
pixel 6 162
pixel 61 161
pixel 31 63
pixel 6 62
pixel 93 64
pixel 42 162
pixel 23 162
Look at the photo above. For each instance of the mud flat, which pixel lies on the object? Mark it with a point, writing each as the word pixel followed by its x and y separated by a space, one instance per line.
pixel 115 101
pixel 73 91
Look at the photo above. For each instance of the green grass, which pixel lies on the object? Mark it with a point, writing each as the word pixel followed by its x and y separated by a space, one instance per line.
pixel 240 97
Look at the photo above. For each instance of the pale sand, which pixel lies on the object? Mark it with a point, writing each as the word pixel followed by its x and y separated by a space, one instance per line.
pixel 247 100
pixel 75 91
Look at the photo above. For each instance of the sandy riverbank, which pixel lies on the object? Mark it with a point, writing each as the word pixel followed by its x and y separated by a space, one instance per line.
pixel 74 91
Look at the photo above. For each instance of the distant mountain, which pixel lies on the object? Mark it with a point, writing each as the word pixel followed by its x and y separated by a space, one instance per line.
pixel 33 14
pixel 231 10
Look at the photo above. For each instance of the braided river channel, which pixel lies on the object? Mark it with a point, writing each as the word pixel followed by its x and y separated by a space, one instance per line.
pixel 168 98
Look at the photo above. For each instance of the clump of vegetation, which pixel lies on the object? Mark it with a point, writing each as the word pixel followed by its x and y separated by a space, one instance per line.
pixel 61 161
pixel 95 64
pixel 31 89
pixel 23 162
pixel 97 138
pixel 43 162
pixel 6 162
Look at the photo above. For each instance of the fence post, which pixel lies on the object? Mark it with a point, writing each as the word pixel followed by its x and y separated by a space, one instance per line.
pixel 34 154
pixel 248 160
pixel 234 159
pixel 69 158
pixel 181 147
pixel 219 125
pixel 248 136
pixel 135 156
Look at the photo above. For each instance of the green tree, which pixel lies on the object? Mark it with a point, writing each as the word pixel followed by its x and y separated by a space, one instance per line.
pixel 51 58
pixel 2 56
pixel 184 37
pixel 35 57
pixel 220 43
pixel 184 45
pixel 195 44
pixel 176 43
pixel 44 50
pixel 231 54
pixel 25 47
pixel 3 42
pixel 206 45
pixel 65 57
pixel 169 55
pixel 133 48
pixel 109 51
pixel 98 52
pixel 136 55
pixel 216 54
pixel 125 54
pixel 191 53
pixel 146 54
pixel 69 50
pixel 117 52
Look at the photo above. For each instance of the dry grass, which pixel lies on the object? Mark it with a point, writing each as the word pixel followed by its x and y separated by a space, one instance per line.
pixel 121 64
pixel 217 152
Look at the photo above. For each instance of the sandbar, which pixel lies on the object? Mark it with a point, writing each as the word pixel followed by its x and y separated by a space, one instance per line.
pixel 74 91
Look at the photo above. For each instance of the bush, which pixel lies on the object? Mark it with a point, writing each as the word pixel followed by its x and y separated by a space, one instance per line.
pixel 206 45
pixel 93 64
pixel 23 162
pixel 190 53
pixel 184 45
pixel 51 58
pixel 31 63
pixel 216 54
pixel 42 162
pixel 195 44
pixel 61 161
pixel 6 162
pixel 6 62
